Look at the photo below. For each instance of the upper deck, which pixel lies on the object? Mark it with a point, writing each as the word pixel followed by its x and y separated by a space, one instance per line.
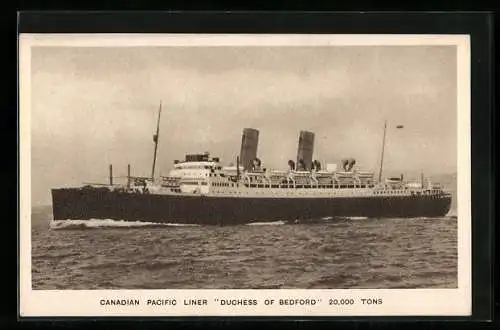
pixel 206 176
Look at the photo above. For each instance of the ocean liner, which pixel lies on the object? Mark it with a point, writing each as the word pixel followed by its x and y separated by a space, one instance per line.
pixel 200 190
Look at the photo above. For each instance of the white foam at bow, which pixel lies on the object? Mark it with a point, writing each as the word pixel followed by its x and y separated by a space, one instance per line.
pixel 96 223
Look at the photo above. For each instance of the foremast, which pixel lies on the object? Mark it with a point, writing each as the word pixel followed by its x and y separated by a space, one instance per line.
pixel 155 140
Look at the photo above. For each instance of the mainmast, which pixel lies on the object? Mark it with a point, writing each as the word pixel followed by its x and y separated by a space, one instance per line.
pixel 382 154
pixel 238 168
pixel 155 140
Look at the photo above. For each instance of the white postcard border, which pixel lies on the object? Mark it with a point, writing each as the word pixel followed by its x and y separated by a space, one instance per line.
pixel 395 302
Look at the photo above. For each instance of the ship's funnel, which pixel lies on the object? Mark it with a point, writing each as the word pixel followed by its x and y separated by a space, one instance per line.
pixel 249 144
pixel 305 149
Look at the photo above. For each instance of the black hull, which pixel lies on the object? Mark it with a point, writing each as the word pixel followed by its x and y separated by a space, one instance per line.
pixel 83 204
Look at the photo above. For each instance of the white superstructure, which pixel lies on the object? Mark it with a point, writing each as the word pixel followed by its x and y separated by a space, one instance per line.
pixel 208 177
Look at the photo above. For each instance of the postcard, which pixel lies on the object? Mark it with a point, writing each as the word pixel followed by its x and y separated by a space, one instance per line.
pixel 244 175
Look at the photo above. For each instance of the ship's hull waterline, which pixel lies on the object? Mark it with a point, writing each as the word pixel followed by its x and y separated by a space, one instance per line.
pixel 82 204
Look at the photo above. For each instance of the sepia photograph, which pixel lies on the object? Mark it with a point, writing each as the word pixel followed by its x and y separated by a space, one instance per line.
pixel 261 165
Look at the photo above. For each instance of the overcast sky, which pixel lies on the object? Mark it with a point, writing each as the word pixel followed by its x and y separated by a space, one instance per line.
pixel 96 106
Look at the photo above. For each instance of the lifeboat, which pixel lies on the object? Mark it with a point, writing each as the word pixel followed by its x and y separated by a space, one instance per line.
pixel 277 177
pixel 344 175
pixel 364 174
pixel 393 180
pixel 414 185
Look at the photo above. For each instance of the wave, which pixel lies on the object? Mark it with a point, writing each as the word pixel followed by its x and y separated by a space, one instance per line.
pixel 356 218
pixel 273 223
pixel 347 218
pixel 452 214
pixel 109 223
pixel 344 218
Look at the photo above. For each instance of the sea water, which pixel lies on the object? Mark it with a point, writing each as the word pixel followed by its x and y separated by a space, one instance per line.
pixel 329 253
